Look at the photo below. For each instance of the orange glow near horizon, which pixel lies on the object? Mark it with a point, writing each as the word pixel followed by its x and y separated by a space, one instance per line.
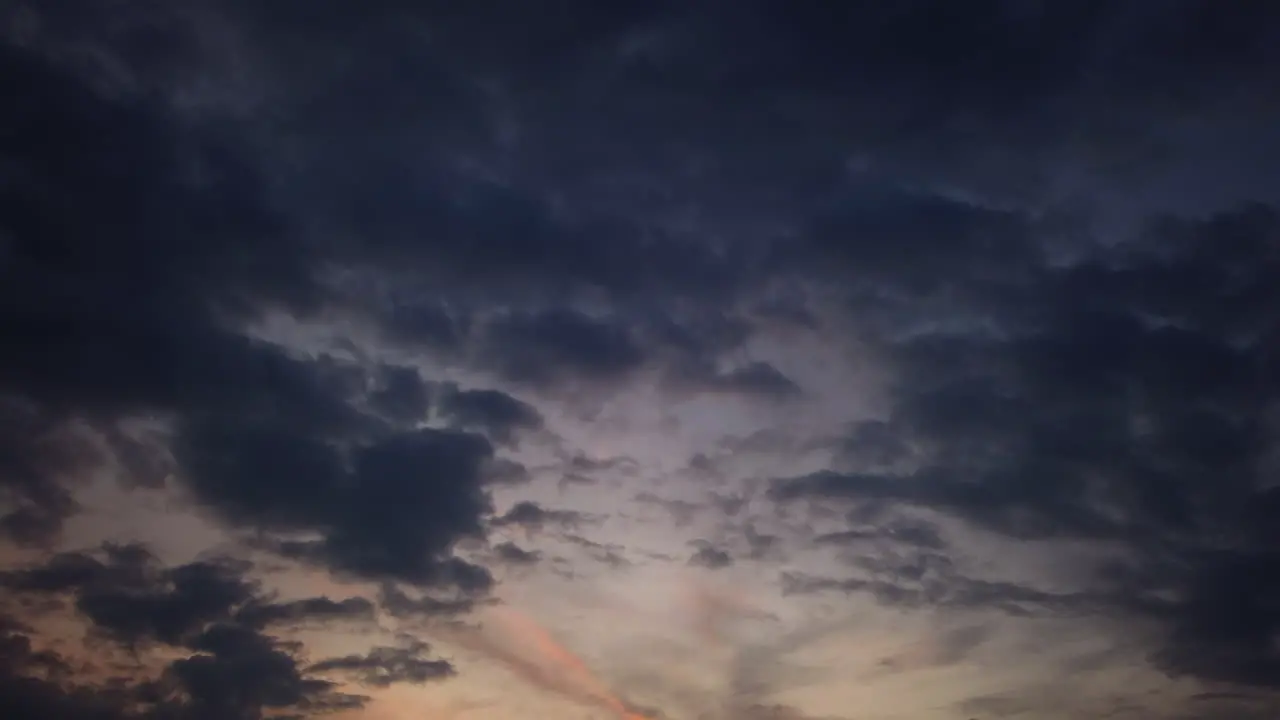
pixel 564 662
pixel 530 652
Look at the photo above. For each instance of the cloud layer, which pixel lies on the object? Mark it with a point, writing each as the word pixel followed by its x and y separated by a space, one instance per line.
pixel 956 316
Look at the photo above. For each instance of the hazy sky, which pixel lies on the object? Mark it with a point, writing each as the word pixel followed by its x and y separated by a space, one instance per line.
pixel 701 360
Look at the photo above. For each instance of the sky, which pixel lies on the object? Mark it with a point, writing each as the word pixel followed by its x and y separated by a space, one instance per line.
pixel 715 360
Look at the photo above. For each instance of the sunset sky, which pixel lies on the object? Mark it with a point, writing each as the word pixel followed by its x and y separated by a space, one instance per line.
pixel 640 359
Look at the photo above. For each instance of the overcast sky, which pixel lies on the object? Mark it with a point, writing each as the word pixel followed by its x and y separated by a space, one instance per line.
pixel 702 360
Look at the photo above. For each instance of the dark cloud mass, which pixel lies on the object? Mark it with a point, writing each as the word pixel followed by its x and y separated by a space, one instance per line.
pixel 336 278
pixel 210 614
pixel 1129 398
pixel 493 411
pixel 390 509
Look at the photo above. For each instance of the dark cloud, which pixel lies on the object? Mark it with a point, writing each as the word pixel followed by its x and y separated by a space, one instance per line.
pixel 1225 626
pixel 542 347
pixel 126 595
pixel 532 516
pixel 562 347
pixel 759 545
pixel 609 554
pixel 1032 215
pixel 35 683
pixel 514 554
pixel 390 509
pixel 1124 398
pixel 586 465
pixel 492 411
pixel 426 326
pixel 124 591
pixel 137 177
pixel 505 472
pixel 401 394
pixel 37 454
pixel 96 337
pixel 930 581
pixel 710 557
pixel 209 613
pixel 320 609
pixel 949 239
pixel 584 470
pixel 238 673
pixel 682 512
pixel 756 379
pixel 384 666
pixel 405 606
pixel 17 652
pixel 918 534
pixel 704 352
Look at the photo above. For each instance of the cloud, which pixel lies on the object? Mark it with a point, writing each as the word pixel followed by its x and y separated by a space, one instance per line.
pixel 38 454
pixel 338 269
pixel 310 609
pixel 492 411
pixel 209 614
pixel 755 379
pixel 516 555
pixel 423 325
pixel 31 684
pixel 394 514
pixel 238 673
pixel 128 597
pixel 401 394
pixel 1133 389
pixel 533 517
pixel 682 512
pixel 86 357
pixel 501 472
pixel 384 666
pixel 405 606
pixel 83 354
pixel 710 557
pixel 612 555
pixel 918 534
pixel 542 347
